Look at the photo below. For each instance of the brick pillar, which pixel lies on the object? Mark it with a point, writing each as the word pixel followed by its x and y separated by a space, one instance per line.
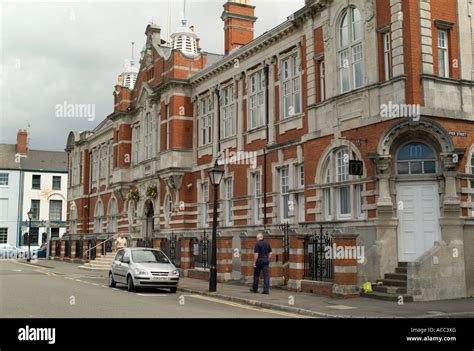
pixel 246 254
pixel 63 248
pixel 85 247
pixel 157 243
pixel 296 262
pixel 247 243
pixel 345 269
pixel 186 253
pixel 73 249
pixel 224 258
pixel 52 250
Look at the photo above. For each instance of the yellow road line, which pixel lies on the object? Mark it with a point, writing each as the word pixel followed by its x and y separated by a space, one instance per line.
pixel 263 310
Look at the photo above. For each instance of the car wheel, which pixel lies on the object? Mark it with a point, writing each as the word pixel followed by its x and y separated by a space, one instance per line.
pixel 112 282
pixel 173 290
pixel 130 286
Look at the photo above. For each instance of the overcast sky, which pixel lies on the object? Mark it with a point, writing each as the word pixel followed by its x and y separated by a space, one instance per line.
pixel 60 52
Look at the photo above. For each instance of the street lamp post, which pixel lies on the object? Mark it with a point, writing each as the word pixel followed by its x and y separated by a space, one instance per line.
pixel 29 214
pixel 215 177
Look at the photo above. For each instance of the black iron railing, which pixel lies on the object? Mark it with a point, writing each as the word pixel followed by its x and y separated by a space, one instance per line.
pixel 318 265
pixel 171 246
pixel 202 251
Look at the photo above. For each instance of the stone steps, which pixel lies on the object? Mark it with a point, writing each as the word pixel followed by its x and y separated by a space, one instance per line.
pixel 101 263
pixel 392 287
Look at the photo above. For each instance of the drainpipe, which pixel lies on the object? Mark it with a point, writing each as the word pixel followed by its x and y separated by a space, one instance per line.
pixel 20 206
pixel 267 117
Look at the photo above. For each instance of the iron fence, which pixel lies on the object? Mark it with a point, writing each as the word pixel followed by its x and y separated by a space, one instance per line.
pixel 317 265
pixel 202 251
pixel 172 248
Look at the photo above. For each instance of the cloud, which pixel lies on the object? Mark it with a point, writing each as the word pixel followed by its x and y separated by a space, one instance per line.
pixel 59 52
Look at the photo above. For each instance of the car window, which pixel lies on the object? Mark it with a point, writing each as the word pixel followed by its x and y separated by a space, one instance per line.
pixel 119 255
pixel 149 256
pixel 126 254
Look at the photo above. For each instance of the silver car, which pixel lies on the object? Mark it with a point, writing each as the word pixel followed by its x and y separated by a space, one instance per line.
pixel 141 267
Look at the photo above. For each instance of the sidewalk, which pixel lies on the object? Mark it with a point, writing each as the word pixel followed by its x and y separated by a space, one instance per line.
pixel 321 306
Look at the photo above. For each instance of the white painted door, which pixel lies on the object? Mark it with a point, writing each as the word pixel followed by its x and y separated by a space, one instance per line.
pixel 418 219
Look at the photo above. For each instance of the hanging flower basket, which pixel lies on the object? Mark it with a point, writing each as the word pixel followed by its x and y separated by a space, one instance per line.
pixel 152 192
pixel 134 195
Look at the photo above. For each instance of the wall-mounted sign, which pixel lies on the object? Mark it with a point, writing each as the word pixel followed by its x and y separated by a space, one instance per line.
pixel 458 134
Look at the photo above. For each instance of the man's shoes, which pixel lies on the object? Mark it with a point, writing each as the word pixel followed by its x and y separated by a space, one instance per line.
pixel 253 291
pixel 266 293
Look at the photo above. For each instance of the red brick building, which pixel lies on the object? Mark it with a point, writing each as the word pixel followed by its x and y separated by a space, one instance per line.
pixel 388 83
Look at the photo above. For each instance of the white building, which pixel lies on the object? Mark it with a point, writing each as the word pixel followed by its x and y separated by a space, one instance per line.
pixel 33 180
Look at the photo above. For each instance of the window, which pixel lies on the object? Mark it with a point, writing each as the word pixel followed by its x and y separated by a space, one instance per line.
pixel 168 207
pixel 148 136
pixel 136 144
pixel 36 182
pixel 3 235
pixel 73 212
pixel 342 194
pixel 257 196
pixel 301 207
pixel 416 158
pixel 34 236
pixel 76 160
pixel 471 183
pixel 113 214
pixel 387 56
pixel 350 60
pixel 443 54
pixel 55 210
pixel 94 165
pixel 228 112
pixel 35 208
pixel 98 217
pixel 256 101
pixel 300 176
pixel 205 124
pixel 291 86
pixel 205 204
pixel 322 81
pixel 4 179
pixel 56 182
pixel 284 191
pixel 103 162
pixel 111 159
pixel 228 200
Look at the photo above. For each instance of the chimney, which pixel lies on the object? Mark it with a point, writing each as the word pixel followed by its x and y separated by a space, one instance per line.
pixel 239 19
pixel 21 142
pixel 153 34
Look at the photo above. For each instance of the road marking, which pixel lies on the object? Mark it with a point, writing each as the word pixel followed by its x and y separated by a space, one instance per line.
pixel 17 270
pixel 78 280
pixel 342 307
pixel 95 284
pixel 151 295
pixel 262 310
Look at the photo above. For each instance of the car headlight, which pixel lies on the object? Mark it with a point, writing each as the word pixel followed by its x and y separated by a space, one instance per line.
pixel 175 272
pixel 140 272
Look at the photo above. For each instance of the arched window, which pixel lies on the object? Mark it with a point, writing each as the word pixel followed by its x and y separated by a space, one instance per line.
pixel 416 158
pixel 350 50
pixel 342 193
pixel 73 215
pixel 112 214
pixel 98 217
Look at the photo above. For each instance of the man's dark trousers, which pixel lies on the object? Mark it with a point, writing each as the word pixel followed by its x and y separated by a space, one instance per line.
pixel 262 265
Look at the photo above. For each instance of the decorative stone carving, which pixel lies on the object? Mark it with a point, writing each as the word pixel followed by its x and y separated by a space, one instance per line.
pixel 326 34
pixel 369 15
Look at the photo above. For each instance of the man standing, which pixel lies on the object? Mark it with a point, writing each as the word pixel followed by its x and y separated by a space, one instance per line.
pixel 261 261
pixel 120 242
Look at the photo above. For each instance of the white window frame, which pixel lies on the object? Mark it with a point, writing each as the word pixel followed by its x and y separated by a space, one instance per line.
pixel 205 121
pixel 322 80
pixel 51 208
pixel 228 112
pixel 3 235
pixel 229 190
pixel 136 144
pixel 257 197
pixel 256 100
pixel 284 193
pixel 112 225
pixel 103 162
pixel 350 54
pixel 291 97
pixel 148 139
pixel 168 207
pixel 443 53
pixel 387 55
pixel 99 217
pixel 205 204
pixel 4 179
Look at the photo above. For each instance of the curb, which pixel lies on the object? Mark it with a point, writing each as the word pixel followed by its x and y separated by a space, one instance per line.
pixel 267 305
